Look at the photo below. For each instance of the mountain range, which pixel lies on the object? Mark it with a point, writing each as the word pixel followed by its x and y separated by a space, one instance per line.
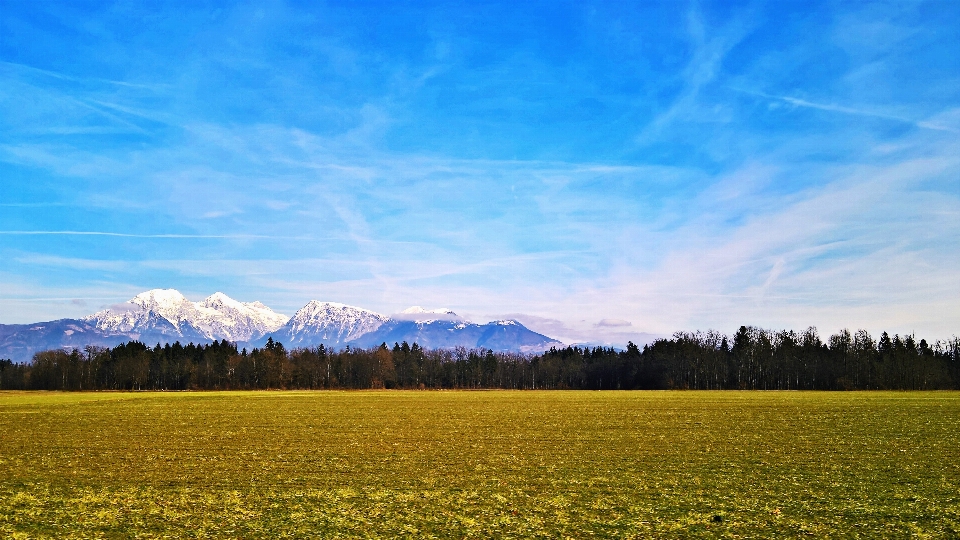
pixel 166 316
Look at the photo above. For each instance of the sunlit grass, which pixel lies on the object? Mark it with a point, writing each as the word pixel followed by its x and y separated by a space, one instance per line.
pixel 479 464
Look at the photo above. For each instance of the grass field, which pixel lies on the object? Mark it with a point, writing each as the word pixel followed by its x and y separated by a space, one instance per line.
pixel 480 464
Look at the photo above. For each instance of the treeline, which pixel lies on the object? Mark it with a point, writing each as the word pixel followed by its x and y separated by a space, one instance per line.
pixel 758 359
pixel 754 359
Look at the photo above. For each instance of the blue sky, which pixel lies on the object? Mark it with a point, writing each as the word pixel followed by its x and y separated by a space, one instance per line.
pixel 600 171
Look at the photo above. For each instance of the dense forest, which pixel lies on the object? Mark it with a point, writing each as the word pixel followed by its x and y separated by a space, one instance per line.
pixel 754 359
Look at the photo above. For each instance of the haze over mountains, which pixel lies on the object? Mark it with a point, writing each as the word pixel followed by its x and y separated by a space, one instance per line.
pixel 166 316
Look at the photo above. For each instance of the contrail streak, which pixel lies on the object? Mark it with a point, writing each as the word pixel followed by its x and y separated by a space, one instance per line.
pixel 132 235
pixel 847 110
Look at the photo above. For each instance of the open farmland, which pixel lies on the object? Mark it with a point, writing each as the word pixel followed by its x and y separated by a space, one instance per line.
pixel 479 464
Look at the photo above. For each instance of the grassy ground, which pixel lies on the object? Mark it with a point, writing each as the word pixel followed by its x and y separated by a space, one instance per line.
pixel 480 464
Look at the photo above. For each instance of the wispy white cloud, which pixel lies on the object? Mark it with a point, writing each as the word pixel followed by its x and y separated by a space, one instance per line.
pixel 35 204
pixel 743 251
pixel 784 265
pixel 797 102
pixel 613 323
pixel 709 46
pixel 72 262
pixel 136 235
pixel 15 66
pixel 500 179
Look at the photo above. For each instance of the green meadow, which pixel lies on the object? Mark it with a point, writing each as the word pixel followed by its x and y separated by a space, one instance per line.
pixel 480 464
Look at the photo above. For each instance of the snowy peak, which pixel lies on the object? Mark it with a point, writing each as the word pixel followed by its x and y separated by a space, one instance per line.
pixel 166 315
pixel 218 300
pixel 418 310
pixel 216 317
pixel 168 303
pixel 143 311
pixel 330 323
pixel 419 314
pixel 220 315
pixel 159 297
pixel 503 335
pixel 320 311
pixel 332 314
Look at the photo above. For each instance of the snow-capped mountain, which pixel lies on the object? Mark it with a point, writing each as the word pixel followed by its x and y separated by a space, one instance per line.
pixel 327 323
pixel 417 313
pixel 216 317
pixel 220 315
pixel 440 334
pixel 338 325
pixel 143 311
pixel 166 316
